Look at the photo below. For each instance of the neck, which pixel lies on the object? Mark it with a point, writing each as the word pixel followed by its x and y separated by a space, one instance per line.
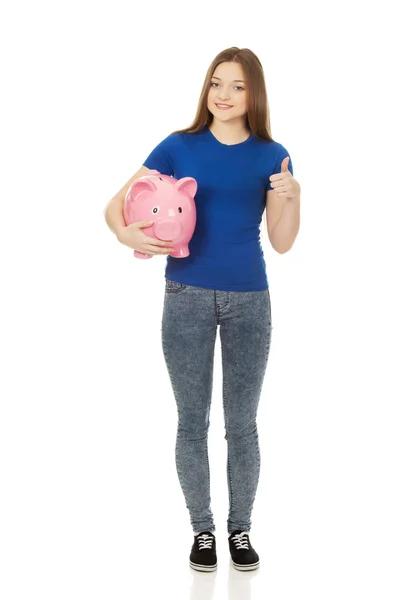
pixel 229 133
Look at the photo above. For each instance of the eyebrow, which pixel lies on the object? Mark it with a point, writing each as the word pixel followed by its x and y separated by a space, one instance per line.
pixel 235 80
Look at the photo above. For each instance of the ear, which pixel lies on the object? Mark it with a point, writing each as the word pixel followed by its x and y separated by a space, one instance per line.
pixel 187 184
pixel 141 185
pixel 152 172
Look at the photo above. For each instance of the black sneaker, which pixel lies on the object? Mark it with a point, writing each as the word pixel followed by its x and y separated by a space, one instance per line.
pixel 203 556
pixel 244 557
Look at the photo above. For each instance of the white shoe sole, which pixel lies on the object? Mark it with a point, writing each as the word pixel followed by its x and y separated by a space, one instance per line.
pixel 204 568
pixel 246 567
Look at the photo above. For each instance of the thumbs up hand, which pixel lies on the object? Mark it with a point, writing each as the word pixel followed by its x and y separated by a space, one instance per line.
pixel 284 184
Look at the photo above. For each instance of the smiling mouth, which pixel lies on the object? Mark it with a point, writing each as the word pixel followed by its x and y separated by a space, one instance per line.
pixel 223 106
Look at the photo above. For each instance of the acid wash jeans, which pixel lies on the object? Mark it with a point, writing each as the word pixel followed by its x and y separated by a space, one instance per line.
pixel 189 326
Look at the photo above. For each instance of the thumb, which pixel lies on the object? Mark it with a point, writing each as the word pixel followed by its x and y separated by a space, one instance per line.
pixel 284 167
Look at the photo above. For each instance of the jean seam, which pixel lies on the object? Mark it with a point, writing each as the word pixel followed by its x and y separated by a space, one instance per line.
pixel 226 426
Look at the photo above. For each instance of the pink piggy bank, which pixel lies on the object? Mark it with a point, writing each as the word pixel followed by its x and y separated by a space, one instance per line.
pixel 168 202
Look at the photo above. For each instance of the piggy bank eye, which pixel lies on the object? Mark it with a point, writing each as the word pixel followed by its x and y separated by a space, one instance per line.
pixel 155 210
pixel 180 209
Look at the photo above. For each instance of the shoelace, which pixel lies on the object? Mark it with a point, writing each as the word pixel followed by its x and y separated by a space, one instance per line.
pixel 204 541
pixel 241 541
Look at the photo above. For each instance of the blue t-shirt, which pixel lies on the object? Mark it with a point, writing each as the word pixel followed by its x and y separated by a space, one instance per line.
pixel 225 250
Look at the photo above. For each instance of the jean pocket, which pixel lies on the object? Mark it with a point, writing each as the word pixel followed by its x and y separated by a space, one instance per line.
pixel 172 287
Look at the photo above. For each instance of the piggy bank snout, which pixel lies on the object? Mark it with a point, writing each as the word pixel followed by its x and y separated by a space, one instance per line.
pixel 167 230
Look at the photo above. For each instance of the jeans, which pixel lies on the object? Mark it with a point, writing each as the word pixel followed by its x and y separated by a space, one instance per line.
pixel 190 319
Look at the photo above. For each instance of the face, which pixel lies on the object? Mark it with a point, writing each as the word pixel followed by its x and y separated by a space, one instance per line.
pixel 228 86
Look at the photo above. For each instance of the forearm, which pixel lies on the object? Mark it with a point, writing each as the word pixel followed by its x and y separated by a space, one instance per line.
pixel 285 230
pixel 114 216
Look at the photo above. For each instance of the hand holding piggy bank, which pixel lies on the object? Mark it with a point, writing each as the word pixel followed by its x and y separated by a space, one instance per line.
pixel 169 203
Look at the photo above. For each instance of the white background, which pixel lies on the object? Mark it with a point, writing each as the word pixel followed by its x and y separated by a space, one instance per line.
pixel 90 503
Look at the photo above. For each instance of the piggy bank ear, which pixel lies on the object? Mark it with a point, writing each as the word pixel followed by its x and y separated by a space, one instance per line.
pixel 140 185
pixel 187 184
pixel 152 172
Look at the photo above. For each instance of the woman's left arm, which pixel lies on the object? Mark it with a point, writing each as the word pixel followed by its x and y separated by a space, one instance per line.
pixel 284 201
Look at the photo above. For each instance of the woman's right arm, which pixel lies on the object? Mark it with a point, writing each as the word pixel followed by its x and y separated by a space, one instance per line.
pixel 113 211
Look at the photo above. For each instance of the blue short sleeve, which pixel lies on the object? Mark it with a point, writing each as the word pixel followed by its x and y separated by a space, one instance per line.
pixel 160 158
pixel 282 154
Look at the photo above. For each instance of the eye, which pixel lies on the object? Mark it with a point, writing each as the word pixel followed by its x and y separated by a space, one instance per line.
pixel 236 86
pixel 156 209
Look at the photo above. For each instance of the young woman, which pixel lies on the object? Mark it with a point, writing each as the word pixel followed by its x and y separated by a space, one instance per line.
pixel 240 171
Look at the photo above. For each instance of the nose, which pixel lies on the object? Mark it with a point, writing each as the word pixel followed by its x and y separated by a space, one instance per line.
pixel 167 229
pixel 223 96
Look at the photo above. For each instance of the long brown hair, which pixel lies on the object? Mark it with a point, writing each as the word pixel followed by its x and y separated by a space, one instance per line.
pixel 257 116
